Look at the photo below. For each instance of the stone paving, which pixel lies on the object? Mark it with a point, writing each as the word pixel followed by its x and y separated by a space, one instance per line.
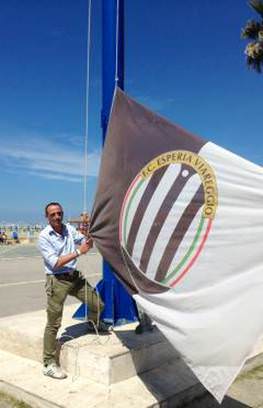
pixel 18 251
pixel 22 251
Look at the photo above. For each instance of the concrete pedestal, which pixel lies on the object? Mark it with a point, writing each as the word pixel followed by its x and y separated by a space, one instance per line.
pixel 116 370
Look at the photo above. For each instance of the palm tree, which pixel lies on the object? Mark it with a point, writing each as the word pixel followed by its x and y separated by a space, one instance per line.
pixel 254 31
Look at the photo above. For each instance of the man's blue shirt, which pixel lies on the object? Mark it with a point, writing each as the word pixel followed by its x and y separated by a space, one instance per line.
pixel 53 245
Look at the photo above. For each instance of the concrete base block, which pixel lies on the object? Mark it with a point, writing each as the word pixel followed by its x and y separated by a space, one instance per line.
pixel 112 358
pixel 107 359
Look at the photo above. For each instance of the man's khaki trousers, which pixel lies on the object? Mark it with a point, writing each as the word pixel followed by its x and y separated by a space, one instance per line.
pixel 57 289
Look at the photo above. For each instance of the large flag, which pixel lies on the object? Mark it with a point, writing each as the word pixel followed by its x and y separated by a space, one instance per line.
pixel 180 221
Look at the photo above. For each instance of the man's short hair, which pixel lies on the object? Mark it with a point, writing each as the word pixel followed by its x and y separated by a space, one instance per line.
pixel 49 205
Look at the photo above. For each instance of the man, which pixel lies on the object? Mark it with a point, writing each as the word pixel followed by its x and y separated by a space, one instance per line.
pixel 57 243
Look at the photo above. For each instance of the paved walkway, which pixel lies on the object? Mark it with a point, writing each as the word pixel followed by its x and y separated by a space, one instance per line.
pixel 8 252
pixel 22 278
pixel 18 251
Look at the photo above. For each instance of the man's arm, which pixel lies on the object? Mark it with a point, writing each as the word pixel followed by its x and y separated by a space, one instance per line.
pixel 82 249
pixel 47 250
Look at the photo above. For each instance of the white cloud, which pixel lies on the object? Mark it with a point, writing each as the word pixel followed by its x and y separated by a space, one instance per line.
pixel 56 176
pixel 46 158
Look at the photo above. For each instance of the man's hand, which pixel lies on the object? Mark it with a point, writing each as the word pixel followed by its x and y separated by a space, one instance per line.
pixel 85 222
pixel 83 248
pixel 86 246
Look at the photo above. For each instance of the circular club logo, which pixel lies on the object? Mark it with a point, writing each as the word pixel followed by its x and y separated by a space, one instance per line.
pixel 166 216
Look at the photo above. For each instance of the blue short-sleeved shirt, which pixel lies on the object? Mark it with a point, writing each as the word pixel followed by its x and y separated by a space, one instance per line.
pixel 53 245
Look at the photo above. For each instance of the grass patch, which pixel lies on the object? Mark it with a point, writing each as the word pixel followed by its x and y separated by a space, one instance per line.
pixel 7 401
pixel 254 374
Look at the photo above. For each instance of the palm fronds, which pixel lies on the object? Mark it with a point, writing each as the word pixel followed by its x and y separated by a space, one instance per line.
pixel 254 53
pixel 257 5
pixel 253 30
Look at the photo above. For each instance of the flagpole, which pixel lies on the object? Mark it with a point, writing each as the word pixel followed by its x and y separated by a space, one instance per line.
pixel 119 305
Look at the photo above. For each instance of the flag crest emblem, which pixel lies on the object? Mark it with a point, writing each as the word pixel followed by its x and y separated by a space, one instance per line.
pixel 167 214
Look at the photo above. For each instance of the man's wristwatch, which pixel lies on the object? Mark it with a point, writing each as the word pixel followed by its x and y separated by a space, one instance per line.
pixel 78 252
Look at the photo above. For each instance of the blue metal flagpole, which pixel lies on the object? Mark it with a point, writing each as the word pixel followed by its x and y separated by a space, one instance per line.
pixel 119 305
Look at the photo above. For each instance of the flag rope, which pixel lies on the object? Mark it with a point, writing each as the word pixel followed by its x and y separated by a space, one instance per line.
pixel 117 45
pixel 86 120
pixel 86 112
pixel 85 175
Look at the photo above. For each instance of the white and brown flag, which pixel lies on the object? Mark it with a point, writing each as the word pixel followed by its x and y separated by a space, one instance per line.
pixel 180 221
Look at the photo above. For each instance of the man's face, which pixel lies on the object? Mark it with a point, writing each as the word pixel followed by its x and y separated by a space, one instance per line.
pixel 55 216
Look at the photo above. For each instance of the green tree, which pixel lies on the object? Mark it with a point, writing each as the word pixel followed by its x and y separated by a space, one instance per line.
pixel 254 31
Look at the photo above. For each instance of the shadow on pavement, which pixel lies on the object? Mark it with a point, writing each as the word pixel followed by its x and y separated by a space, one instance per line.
pixel 78 330
pixel 173 384
pixel 209 402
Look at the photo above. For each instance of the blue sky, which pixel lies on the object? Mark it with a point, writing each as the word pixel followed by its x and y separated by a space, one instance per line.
pixel 184 60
